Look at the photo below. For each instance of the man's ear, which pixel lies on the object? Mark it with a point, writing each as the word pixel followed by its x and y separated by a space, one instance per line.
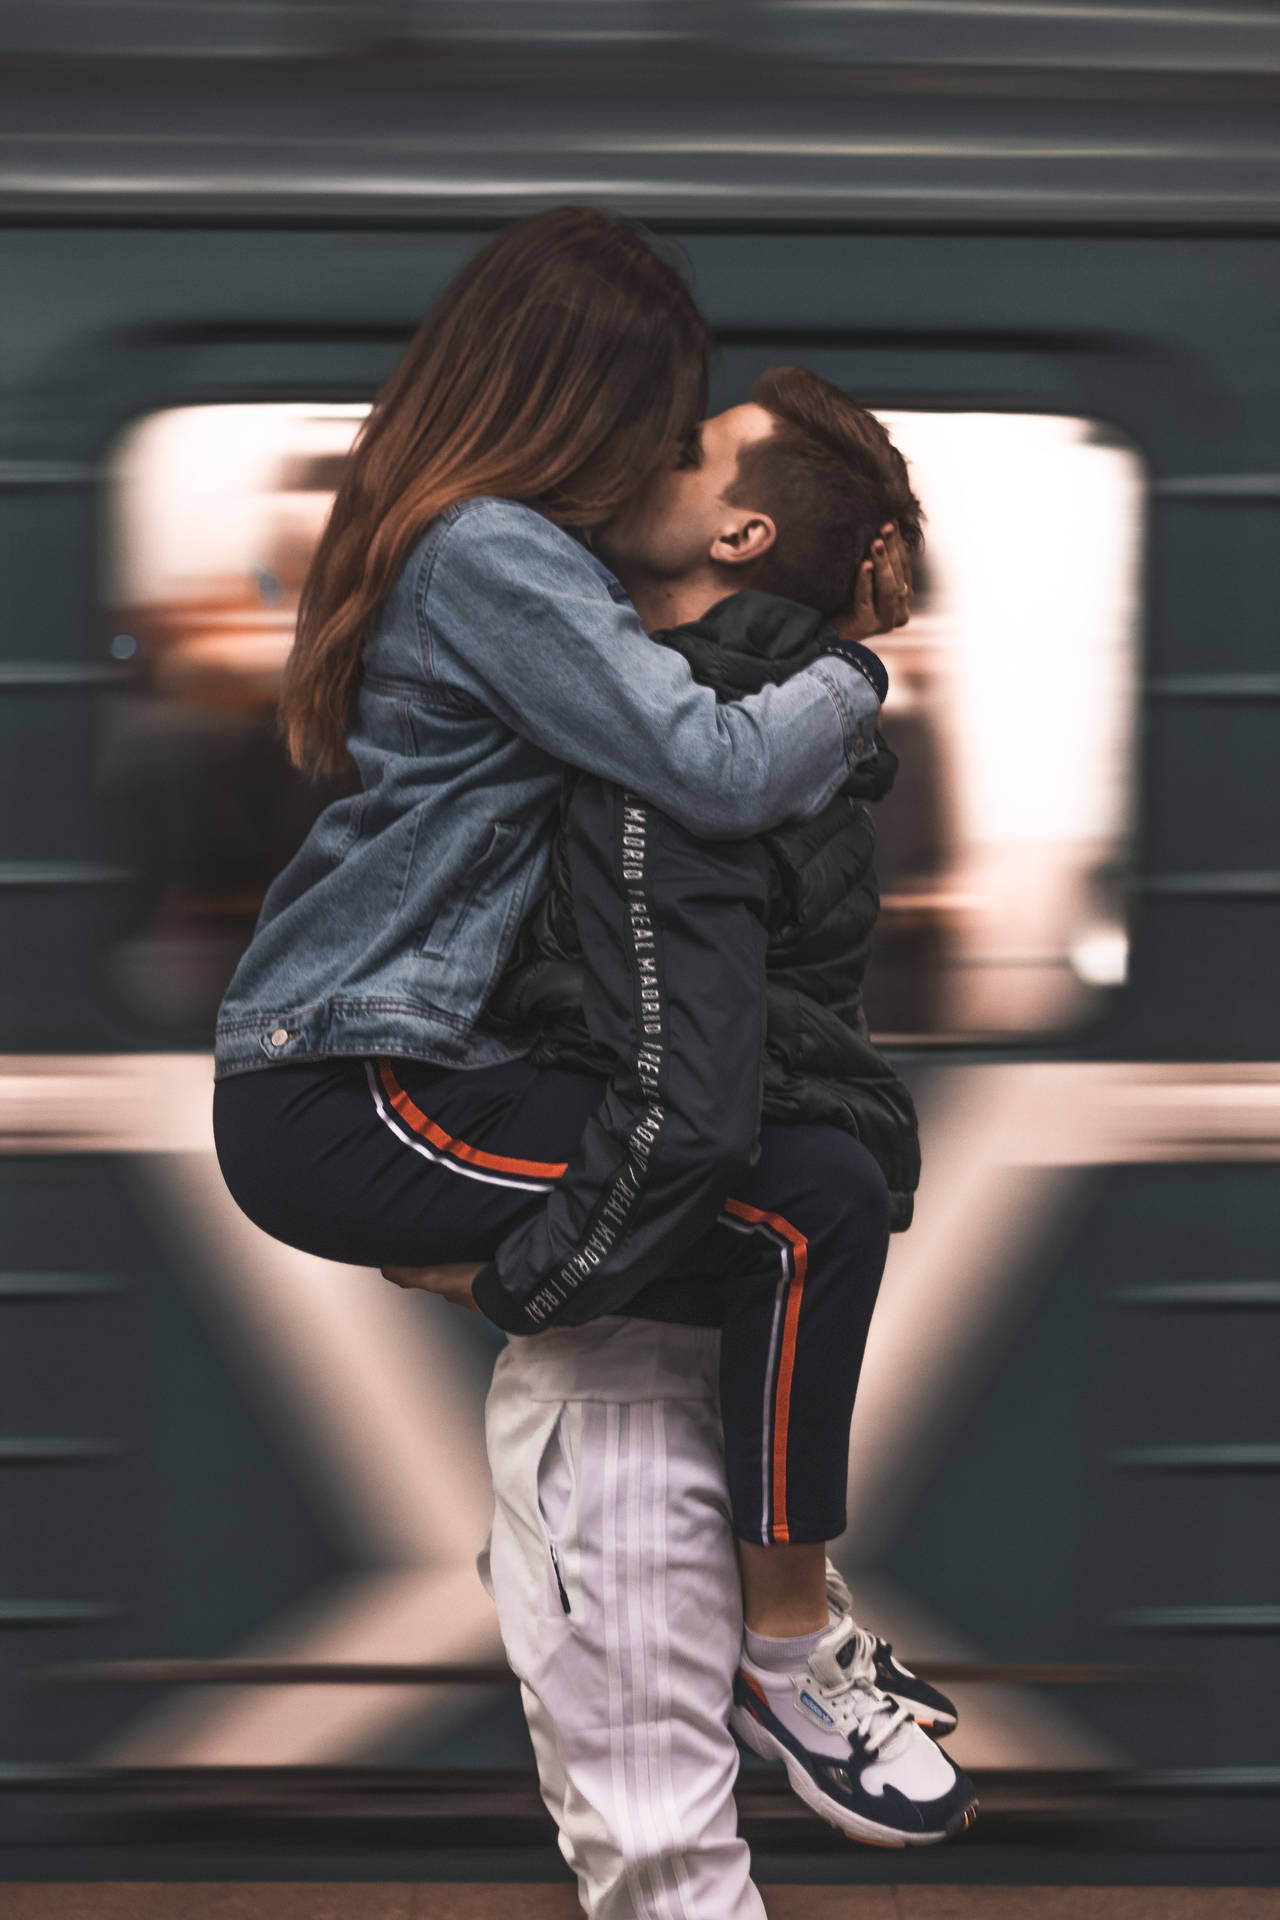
pixel 744 537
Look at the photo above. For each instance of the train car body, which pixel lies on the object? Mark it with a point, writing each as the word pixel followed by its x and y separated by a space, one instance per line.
pixel 1065 1459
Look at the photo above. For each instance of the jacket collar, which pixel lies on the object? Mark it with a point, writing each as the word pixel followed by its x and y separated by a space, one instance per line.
pixel 752 640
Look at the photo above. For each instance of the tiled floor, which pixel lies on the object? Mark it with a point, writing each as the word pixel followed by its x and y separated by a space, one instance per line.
pixel 275 1900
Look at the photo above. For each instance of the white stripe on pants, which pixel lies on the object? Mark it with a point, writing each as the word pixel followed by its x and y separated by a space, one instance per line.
pixel 609 1490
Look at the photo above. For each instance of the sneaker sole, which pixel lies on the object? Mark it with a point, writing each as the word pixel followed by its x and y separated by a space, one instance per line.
pixel 853 1825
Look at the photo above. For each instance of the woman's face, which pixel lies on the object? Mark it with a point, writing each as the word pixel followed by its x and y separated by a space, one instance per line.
pixel 668 530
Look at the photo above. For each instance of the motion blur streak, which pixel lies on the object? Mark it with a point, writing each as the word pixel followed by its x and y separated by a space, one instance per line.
pixel 1006 1149
pixel 1040 1113
pixel 364 1399
pixel 372 1414
pixel 1014 700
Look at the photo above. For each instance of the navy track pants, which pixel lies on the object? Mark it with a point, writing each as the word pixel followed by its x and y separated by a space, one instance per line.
pixel 399 1163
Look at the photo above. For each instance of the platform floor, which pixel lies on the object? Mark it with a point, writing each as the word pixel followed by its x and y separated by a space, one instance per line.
pixel 390 1900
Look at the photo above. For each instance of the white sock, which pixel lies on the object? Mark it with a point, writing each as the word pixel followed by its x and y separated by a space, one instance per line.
pixel 782 1656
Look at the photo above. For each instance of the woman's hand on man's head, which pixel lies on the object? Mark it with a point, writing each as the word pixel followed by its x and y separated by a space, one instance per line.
pixel 882 598
pixel 452 1283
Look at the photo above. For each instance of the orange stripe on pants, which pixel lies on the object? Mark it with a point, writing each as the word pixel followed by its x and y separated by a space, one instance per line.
pixel 787 1361
pixel 414 1117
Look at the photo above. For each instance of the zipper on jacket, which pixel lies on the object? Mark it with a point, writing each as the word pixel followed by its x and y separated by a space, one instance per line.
pixel 555 1567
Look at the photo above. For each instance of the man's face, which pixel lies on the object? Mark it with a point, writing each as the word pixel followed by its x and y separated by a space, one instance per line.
pixel 668 531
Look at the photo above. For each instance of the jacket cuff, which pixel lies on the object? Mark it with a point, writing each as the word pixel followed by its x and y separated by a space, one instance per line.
pixel 854 699
pixel 868 664
pixel 495 1303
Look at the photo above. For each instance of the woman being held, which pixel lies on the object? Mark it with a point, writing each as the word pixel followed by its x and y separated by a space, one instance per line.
pixel 458 642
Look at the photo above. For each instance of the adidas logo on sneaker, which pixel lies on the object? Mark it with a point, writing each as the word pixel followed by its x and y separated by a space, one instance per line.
pixel 811 1706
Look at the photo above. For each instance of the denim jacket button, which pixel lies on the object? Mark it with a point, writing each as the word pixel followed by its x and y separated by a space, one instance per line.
pixel 279 1037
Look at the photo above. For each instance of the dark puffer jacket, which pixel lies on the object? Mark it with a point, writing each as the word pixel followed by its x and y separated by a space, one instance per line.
pixel 819 1064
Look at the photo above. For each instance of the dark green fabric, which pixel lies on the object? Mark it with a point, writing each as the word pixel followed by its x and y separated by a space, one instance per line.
pixel 819 1063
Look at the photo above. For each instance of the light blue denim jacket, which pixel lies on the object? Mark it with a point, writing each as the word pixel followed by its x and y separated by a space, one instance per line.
pixel 505 649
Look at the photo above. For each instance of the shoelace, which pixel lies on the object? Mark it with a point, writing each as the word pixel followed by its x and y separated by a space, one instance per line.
pixel 858 1702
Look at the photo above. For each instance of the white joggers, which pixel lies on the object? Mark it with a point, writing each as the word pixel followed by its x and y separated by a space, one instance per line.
pixel 612 1563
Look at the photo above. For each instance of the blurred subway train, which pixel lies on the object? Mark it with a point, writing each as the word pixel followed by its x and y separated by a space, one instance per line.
pixel 242 1491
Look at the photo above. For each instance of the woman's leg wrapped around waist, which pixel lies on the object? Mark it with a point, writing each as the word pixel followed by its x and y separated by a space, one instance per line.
pixel 353 1163
pixel 798 1253
pixel 390 1163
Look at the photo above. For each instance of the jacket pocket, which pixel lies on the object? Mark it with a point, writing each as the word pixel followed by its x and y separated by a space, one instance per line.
pixel 446 932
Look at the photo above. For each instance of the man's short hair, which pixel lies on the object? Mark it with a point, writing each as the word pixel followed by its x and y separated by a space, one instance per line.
pixel 829 477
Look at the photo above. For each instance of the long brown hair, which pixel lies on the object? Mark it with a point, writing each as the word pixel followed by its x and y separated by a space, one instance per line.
pixel 563 366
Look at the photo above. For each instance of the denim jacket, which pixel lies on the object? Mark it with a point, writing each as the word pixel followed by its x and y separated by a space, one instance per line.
pixel 504 650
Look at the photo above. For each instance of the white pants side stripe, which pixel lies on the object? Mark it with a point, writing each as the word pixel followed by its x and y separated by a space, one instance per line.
pixel 618 1732
pixel 657 1613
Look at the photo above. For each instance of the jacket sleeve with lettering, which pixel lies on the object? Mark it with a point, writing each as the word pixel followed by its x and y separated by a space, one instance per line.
pixel 673 935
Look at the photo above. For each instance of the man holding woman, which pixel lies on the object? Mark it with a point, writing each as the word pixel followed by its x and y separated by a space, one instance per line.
pixel 458 643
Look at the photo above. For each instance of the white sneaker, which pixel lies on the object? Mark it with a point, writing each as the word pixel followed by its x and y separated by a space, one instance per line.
pixel 851 1752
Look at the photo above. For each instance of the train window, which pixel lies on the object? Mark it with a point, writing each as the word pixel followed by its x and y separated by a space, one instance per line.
pixel 1002 846
pixel 215 511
